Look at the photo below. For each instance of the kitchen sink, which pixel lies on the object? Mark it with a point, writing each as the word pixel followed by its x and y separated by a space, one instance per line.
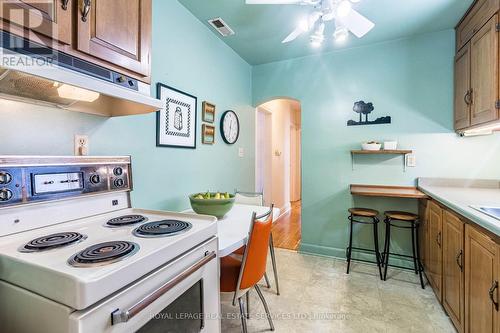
pixel 491 211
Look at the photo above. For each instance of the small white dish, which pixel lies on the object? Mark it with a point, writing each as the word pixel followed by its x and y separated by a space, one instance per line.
pixel 371 146
pixel 390 145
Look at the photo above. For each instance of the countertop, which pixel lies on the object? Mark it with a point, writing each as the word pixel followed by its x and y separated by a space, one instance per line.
pixel 460 195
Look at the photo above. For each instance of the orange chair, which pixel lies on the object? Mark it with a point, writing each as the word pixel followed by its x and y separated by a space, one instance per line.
pixel 240 273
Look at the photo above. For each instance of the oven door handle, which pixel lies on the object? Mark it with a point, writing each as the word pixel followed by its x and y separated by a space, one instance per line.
pixel 119 316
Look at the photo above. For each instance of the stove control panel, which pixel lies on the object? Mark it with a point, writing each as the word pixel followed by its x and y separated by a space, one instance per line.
pixel 26 184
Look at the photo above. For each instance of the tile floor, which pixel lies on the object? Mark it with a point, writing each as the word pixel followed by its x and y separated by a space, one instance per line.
pixel 317 296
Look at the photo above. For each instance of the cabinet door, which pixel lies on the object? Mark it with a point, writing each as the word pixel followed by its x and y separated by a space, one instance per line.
pixel 118 31
pixel 51 18
pixel 435 255
pixel 463 96
pixel 481 276
pixel 453 275
pixel 484 73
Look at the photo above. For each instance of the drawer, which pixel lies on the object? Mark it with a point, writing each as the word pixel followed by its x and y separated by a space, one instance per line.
pixel 477 16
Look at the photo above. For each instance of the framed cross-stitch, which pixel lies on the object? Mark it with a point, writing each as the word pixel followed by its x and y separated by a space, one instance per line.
pixel 176 121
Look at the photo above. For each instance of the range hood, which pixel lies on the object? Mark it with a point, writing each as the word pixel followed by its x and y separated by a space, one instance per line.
pixel 33 73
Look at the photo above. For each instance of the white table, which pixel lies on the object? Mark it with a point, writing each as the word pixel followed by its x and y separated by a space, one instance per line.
pixel 234 227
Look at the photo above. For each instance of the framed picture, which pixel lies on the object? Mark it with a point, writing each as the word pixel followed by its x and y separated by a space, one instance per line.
pixel 208 112
pixel 176 121
pixel 208 134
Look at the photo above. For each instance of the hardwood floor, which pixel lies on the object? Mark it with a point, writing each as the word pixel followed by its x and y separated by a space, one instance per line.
pixel 286 231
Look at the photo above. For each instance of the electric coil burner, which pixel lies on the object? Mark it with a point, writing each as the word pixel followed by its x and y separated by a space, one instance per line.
pixel 162 228
pixel 103 254
pixel 52 241
pixel 126 220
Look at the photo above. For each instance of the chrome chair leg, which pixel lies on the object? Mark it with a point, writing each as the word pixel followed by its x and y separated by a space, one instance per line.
pixel 243 317
pixel 273 260
pixel 267 281
pixel 248 304
pixel 265 307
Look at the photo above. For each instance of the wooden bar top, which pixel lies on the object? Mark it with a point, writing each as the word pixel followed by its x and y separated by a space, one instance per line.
pixel 387 191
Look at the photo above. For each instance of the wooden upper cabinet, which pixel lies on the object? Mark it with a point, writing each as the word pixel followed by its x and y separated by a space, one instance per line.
pixel 435 255
pixel 463 94
pixel 117 31
pixel 484 73
pixel 50 18
pixel 453 268
pixel 481 282
pixel 476 17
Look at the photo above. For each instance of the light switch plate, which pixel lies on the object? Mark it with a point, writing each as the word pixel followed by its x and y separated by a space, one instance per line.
pixel 411 160
pixel 241 152
pixel 81 145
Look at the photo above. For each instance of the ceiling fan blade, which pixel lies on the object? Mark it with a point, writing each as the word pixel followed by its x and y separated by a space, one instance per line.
pixel 357 23
pixel 273 2
pixel 296 33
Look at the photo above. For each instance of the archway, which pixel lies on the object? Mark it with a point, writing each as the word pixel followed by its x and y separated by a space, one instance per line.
pixel 278 165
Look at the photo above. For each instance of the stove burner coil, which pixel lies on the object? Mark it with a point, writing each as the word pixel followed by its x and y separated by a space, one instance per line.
pixel 126 220
pixel 103 254
pixel 52 241
pixel 162 228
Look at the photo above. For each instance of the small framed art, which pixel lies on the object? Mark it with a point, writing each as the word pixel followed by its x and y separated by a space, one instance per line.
pixel 208 112
pixel 208 134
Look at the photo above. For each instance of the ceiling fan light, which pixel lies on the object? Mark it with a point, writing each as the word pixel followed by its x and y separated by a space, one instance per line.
pixel 343 8
pixel 340 35
pixel 355 1
pixel 317 40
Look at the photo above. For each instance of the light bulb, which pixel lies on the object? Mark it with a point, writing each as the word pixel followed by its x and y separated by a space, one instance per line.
pixel 340 35
pixel 355 1
pixel 344 8
pixel 317 40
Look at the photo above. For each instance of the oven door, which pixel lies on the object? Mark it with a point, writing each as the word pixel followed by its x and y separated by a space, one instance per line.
pixel 182 296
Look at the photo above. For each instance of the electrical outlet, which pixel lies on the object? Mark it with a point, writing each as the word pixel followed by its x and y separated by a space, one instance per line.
pixel 241 152
pixel 81 145
pixel 411 160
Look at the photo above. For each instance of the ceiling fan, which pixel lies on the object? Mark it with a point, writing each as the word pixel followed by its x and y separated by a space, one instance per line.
pixel 324 11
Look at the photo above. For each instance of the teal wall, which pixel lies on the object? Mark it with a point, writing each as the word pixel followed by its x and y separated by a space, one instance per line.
pixel 186 55
pixel 410 80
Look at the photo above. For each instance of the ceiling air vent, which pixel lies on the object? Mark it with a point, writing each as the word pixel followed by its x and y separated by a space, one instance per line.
pixel 221 27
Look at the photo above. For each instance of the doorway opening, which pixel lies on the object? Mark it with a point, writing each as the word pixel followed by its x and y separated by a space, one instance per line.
pixel 278 166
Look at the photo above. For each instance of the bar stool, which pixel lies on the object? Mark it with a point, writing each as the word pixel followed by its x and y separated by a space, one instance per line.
pixel 364 216
pixel 404 220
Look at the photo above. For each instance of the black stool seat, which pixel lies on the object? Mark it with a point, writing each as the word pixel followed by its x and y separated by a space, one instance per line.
pixel 363 212
pixel 364 216
pixel 407 221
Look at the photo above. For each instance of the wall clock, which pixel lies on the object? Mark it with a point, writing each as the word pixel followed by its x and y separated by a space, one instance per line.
pixel 230 127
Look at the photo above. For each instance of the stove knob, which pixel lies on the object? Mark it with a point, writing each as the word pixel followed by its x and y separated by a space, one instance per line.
pixel 119 182
pixel 95 179
pixel 118 171
pixel 5 178
pixel 5 194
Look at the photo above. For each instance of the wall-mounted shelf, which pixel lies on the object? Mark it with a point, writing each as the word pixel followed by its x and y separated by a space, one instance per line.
pixel 402 152
pixel 381 152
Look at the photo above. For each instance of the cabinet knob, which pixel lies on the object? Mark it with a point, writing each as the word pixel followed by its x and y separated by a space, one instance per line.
pixel 490 293
pixel 64 4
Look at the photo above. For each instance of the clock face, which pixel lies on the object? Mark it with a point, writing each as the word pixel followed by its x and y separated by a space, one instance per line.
pixel 230 127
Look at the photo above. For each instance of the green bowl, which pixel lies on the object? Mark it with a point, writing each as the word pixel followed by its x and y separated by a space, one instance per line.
pixel 214 207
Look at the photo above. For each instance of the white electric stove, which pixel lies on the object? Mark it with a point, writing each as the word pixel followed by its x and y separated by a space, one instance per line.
pixel 75 257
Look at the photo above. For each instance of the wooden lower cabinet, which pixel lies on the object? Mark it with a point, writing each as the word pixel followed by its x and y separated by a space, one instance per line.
pixel 453 268
pixel 435 254
pixel 462 265
pixel 481 282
